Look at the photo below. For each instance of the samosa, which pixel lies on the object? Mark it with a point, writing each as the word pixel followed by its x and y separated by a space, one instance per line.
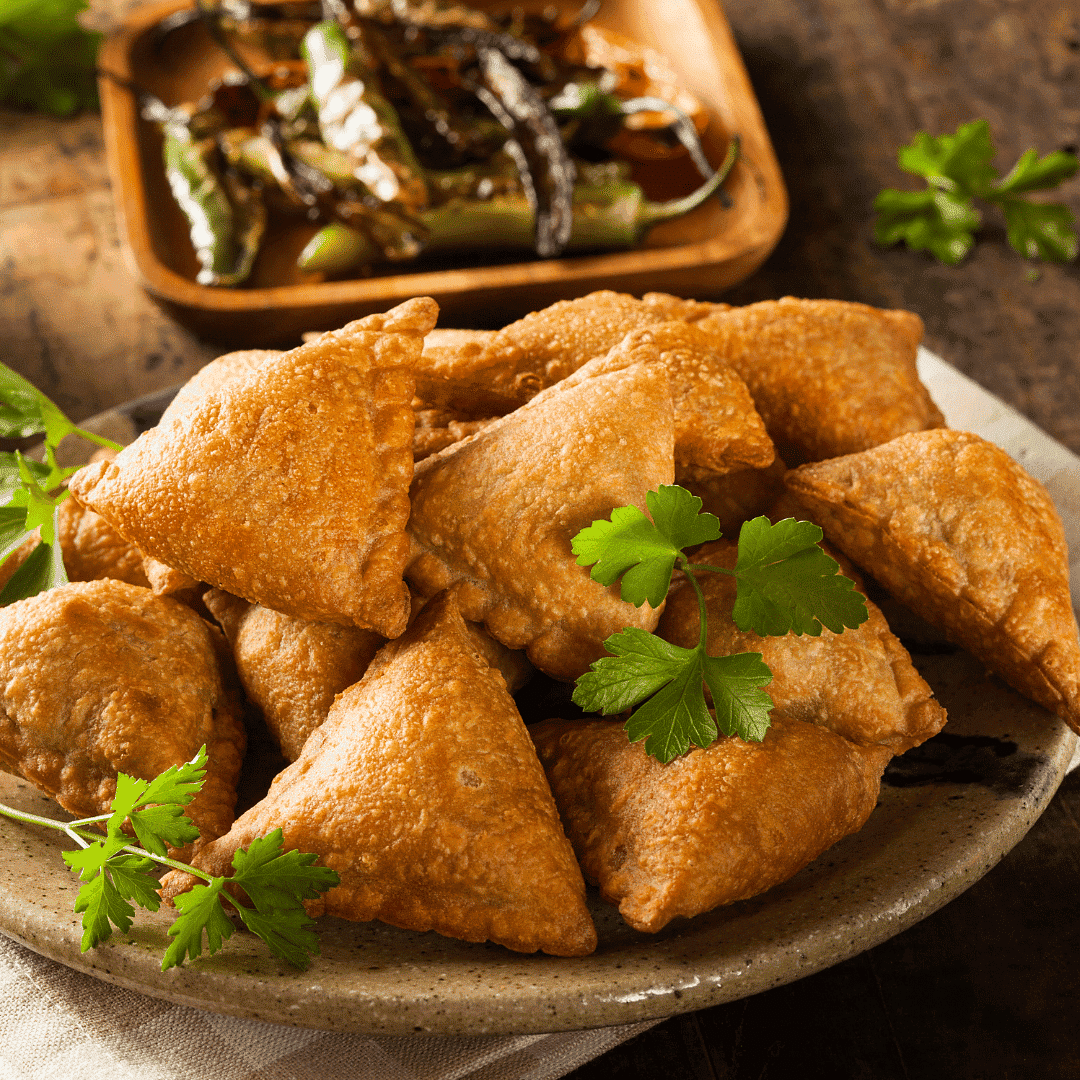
pixel 496 513
pixel 966 538
pixel 102 677
pixel 287 486
pixel 423 791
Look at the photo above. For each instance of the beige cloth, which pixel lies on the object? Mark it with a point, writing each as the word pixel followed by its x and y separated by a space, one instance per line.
pixel 59 1024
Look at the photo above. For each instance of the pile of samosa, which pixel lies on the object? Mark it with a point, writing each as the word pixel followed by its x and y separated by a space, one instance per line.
pixel 368 539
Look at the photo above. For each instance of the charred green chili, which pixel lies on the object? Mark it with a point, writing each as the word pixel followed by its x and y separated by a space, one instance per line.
pixel 358 121
pixel 226 216
pixel 612 213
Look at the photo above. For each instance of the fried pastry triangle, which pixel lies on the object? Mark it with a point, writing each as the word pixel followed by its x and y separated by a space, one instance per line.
pixel 102 677
pixel 860 684
pixel 710 827
pixel 423 791
pixel 961 534
pixel 828 377
pixel 289 485
pixel 291 668
pixel 496 512
pixel 717 429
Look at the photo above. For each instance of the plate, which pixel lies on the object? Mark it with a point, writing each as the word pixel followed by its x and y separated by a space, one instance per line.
pixel 699 255
pixel 949 810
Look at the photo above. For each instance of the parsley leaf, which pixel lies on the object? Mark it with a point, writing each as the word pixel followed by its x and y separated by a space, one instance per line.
pixel 27 502
pixel 102 907
pixel 287 933
pixel 200 910
pixel 643 552
pixel 960 162
pixel 113 872
pixel 47 60
pixel 785 583
pixel 958 168
pixel 932 220
pixel 276 879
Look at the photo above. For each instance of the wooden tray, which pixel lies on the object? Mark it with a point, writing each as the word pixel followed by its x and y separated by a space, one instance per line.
pixel 699 255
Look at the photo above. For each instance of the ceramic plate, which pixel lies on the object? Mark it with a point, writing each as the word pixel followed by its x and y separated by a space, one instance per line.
pixel 948 812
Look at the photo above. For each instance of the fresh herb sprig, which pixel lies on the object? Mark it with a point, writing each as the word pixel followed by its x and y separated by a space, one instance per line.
pixel 784 583
pixel 30 491
pixel 114 871
pixel 943 218
pixel 47 60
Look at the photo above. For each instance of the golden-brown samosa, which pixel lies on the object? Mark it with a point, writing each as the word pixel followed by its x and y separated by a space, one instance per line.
pixel 474 373
pixel 961 534
pixel 436 429
pixel 828 377
pixel 288 486
pixel 860 684
pixel 717 429
pixel 213 376
pixel 93 549
pixel 292 669
pixel 711 827
pixel 423 791
pixel 103 677
pixel 495 514
pixel 736 497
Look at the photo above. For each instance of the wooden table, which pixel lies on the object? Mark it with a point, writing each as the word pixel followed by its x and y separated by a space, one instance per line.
pixel 987 987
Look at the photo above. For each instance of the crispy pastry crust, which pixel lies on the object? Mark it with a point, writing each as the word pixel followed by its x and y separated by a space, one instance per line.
pixel 103 677
pixel 292 669
pixel 710 827
pixel 93 549
pixel 860 684
pixel 496 513
pixel 828 377
pixel 288 486
pixel 423 791
pixel 958 531
pixel 213 376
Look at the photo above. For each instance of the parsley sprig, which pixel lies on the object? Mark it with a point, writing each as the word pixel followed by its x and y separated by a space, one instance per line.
pixel 113 871
pixel 943 217
pixel 784 583
pixel 30 491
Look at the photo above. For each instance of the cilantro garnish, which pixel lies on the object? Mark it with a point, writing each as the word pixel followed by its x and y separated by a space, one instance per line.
pixel 943 218
pixel 30 491
pixel 47 60
pixel 114 871
pixel 784 583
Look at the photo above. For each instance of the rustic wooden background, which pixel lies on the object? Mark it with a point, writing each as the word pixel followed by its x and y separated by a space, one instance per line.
pixel 988 987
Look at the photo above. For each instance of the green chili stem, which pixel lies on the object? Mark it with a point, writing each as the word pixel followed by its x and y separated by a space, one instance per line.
pixel 665 211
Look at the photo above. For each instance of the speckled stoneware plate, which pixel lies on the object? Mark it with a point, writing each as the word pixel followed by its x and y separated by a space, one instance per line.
pixel 948 812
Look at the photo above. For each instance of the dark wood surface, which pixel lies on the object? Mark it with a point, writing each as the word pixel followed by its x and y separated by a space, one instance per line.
pixel 987 987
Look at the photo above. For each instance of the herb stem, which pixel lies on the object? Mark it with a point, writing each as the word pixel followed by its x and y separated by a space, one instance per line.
pixel 704 566
pixel 100 440
pixel 84 838
pixel 684 565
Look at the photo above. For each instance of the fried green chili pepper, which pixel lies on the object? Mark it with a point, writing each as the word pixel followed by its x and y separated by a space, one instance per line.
pixel 547 173
pixel 611 214
pixel 226 217
pixel 357 120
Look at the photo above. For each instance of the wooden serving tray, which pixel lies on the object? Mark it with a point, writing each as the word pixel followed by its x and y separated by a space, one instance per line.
pixel 698 255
